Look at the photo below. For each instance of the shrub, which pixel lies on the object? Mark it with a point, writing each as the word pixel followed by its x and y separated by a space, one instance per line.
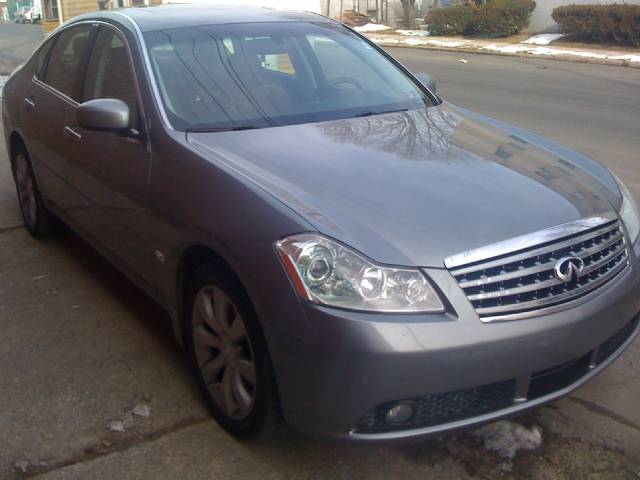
pixel 497 18
pixel 450 21
pixel 501 18
pixel 616 22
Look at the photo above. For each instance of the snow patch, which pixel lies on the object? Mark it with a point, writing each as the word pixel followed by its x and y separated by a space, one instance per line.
pixel 508 438
pixel 626 58
pixel 414 33
pixel 128 420
pixel 417 41
pixel 117 426
pixel 543 38
pixel 371 27
pixel 141 410
pixel 384 40
pixel 414 41
pixel 558 52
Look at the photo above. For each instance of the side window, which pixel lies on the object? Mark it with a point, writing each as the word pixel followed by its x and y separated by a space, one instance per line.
pixel 42 58
pixel 66 58
pixel 109 74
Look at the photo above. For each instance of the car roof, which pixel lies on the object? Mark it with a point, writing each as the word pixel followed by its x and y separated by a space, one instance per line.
pixel 188 15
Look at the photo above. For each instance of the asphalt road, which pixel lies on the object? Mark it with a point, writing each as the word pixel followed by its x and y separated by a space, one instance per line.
pixel 594 109
pixel 80 346
pixel 17 41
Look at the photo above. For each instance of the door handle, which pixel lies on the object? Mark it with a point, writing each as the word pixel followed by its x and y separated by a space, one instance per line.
pixel 72 134
pixel 29 104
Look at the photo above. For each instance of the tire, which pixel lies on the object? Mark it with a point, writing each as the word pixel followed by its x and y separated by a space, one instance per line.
pixel 230 359
pixel 37 219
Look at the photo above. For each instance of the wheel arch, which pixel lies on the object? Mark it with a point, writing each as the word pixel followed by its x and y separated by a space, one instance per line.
pixel 190 259
pixel 16 142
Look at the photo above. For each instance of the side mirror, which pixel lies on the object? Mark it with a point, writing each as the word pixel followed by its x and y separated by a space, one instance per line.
pixel 427 80
pixel 107 114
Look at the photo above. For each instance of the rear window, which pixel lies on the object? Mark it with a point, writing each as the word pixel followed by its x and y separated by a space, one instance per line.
pixel 43 54
pixel 270 74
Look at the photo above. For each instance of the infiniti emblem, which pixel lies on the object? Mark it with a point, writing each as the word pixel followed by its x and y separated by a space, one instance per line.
pixel 568 269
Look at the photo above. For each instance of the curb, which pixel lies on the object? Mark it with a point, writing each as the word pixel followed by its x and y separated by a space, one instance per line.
pixel 478 51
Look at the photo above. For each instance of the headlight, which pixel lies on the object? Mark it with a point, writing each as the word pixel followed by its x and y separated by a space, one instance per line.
pixel 629 211
pixel 328 273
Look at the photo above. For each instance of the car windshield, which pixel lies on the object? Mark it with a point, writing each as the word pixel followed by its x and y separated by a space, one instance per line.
pixel 257 75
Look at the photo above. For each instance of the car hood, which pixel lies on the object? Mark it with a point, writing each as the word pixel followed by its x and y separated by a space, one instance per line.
pixel 412 188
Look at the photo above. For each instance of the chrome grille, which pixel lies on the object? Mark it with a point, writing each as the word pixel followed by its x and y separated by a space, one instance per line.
pixel 522 283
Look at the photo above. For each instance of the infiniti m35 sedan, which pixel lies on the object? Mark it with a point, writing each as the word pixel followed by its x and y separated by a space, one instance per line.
pixel 336 246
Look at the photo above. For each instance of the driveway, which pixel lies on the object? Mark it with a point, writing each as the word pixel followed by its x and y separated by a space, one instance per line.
pixel 85 355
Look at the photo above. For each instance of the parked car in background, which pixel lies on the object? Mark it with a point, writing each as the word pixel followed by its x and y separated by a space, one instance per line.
pixel 336 245
pixel 27 15
pixel 19 16
pixel 36 12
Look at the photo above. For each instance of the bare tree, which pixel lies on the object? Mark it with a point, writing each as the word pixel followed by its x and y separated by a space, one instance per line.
pixel 409 13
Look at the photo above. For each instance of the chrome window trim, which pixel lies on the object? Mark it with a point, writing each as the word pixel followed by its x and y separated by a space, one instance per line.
pixel 149 69
pixel 529 240
pixel 123 37
pixel 45 85
pixel 136 82
pixel 55 92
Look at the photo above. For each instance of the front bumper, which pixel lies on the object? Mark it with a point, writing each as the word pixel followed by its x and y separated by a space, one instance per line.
pixel 340 378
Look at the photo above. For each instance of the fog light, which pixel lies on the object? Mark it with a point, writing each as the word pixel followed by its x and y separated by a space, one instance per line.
pixel 399 413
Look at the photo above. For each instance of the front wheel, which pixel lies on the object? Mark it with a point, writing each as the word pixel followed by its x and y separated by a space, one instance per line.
pixel 229 354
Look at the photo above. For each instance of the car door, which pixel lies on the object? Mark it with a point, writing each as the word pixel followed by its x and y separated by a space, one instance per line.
pixel 114 165
pixel 48 107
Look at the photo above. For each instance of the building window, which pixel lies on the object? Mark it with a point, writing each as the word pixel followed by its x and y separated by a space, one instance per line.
pixel 51 10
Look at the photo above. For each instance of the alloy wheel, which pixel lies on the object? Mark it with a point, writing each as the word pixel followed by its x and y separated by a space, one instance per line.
pixel 223 352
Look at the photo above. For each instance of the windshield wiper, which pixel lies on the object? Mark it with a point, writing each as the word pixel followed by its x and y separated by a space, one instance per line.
pixel 222 129
pixel 370 113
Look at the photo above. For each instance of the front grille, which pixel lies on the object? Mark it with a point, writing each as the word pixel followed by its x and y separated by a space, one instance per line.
pixel 447 407
pixel 522 282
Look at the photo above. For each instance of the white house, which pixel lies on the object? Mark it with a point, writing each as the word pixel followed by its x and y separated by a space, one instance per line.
pixel 390 11
pixel 540 20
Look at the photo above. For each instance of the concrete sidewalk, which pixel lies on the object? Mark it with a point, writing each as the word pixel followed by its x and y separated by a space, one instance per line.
pixel 512 46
